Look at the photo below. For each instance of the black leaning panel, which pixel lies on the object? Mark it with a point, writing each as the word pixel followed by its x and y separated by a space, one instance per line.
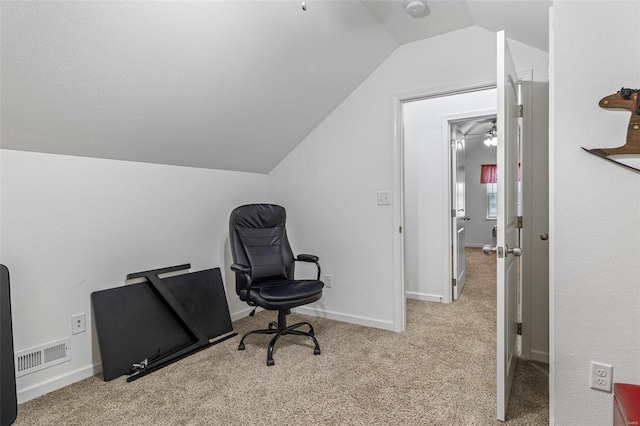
pixel 134 323
pixel 202 296
pixel 8 397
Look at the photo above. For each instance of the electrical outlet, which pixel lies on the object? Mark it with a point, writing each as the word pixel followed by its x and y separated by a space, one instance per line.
pixel 327 281
pixel 601 376
pixel 384 198
pixel 78 323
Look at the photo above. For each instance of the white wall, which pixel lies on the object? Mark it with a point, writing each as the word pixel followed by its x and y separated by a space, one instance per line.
pixel 478 229
pixel 329 182
pixel 73 225
pixel 595 225
pixel 427 213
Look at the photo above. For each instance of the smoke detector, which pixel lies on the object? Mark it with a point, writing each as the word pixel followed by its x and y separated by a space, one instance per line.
pixel 414 7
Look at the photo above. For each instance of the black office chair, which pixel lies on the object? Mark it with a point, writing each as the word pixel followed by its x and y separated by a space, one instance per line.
pixel 264 265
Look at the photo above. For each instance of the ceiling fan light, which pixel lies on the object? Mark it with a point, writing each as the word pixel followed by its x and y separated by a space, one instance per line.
pixel 414 7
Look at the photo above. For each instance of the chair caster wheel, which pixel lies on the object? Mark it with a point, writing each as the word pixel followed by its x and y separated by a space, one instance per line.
pixel 270 362
pixel 241 347
pixel 316 351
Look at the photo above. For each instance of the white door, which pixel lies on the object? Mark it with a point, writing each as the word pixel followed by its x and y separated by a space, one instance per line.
pixel 459 215
pixel 508 233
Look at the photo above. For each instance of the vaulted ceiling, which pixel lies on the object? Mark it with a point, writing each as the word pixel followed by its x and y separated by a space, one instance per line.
pixel 232 85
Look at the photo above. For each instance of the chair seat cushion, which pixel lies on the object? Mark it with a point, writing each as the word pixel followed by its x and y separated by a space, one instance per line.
pixel 284 290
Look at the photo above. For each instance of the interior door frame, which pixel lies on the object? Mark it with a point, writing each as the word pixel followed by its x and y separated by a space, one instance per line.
pixel 526 233
pixel 447 122
pixel 399 295
pixel 457 224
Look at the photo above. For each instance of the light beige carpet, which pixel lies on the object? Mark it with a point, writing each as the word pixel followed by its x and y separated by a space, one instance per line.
pixel 440 371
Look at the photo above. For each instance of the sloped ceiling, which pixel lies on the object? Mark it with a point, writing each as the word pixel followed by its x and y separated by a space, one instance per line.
pixel 232 85
pixel 523 20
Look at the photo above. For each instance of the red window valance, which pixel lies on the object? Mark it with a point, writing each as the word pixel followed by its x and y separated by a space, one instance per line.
pixel 488 173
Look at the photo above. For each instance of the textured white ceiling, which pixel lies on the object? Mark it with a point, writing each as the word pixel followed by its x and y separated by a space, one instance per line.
pixel 233 85
pixel 524 20
pixel 439 18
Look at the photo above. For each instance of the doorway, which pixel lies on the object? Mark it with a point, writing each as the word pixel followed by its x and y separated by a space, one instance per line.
pixel 428 184
pixel 473 187
pixel 514 133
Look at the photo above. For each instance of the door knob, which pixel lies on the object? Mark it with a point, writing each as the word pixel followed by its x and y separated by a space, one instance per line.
pixel 488 250
pixel 544 236
pixel 516 251
pixel 466 218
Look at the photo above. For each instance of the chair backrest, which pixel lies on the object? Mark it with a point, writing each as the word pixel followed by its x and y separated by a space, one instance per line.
pixel 258 239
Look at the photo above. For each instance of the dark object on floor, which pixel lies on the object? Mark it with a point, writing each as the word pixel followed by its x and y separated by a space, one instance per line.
pixel 146 326
pixel 626 404
pixel 8 398
pixel 264 267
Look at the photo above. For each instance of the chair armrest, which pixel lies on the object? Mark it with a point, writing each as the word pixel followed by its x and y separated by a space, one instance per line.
pixel 307 258
pixel 240 268
pixel 311 259
pixel 246 271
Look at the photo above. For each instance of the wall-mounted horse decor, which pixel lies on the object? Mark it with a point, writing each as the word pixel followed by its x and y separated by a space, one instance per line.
pixel 624 99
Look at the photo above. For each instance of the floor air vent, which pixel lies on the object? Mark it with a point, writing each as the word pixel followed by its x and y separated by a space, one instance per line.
pixel 41 357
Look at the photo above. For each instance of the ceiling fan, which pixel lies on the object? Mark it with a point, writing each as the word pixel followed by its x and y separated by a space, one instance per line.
pixel 490 136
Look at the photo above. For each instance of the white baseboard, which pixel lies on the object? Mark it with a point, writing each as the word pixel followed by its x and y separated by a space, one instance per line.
pixel 353 319
pixel 424 296
pixel 476 245
pixel 540 356
pixel 56 383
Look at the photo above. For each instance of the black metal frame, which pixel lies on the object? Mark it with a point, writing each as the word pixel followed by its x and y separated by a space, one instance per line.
pixel 280 328
pixel 199 340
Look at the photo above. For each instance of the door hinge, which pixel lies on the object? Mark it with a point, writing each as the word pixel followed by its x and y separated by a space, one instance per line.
pixel 520 110
pixel 519 222
pixel 519 329
pixel 453 282
pixel 400 230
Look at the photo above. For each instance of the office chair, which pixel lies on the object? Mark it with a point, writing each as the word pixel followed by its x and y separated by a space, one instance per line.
pixel 264 266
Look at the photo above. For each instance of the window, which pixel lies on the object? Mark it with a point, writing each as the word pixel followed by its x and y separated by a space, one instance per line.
pixel 492 200
pixel 489 177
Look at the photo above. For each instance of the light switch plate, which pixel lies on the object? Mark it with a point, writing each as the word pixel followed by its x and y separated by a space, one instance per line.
pixel 384 198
